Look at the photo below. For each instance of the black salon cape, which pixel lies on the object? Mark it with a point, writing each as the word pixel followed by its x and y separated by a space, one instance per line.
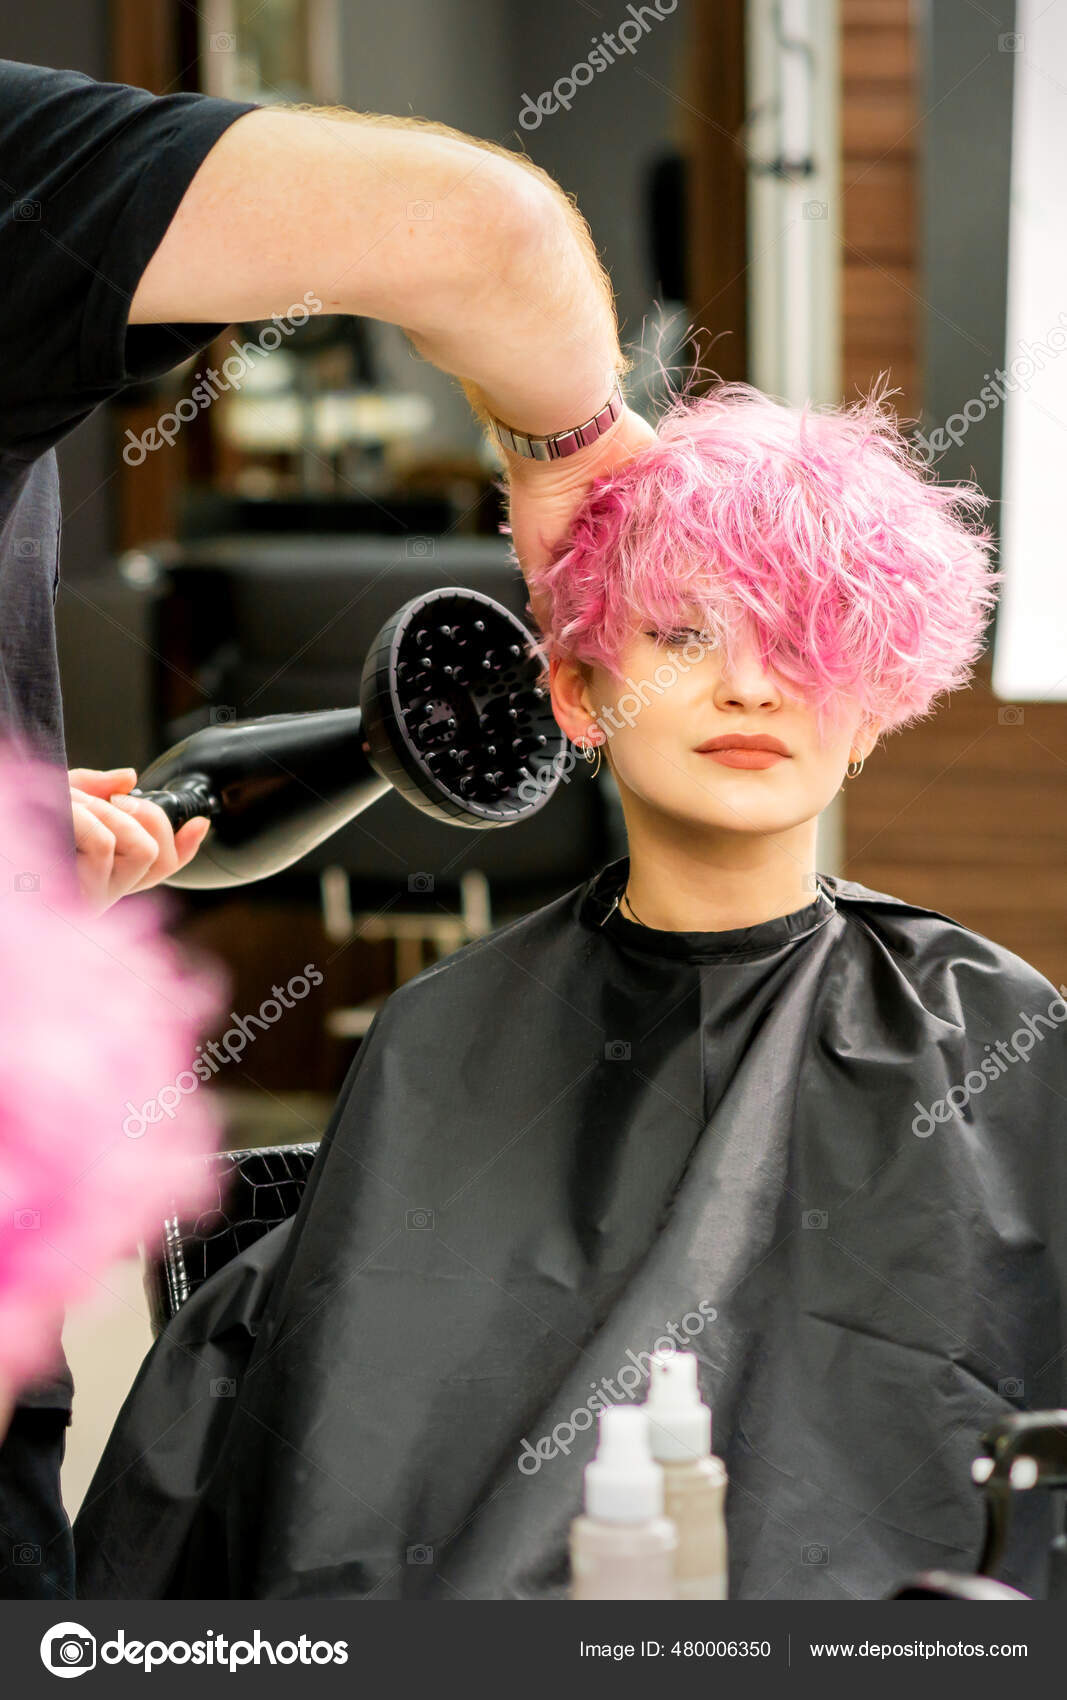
pixel 553 1144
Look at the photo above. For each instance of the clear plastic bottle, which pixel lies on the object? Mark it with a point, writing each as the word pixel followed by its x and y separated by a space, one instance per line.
pixel 622 1547
pixel 694 1480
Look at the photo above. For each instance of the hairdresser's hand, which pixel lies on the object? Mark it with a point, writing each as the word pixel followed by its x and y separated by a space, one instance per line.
pixel 7 1406
pixel 125 845
pixel 544 496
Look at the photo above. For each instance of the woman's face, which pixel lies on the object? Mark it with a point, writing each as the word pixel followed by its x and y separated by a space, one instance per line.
pixel 675 697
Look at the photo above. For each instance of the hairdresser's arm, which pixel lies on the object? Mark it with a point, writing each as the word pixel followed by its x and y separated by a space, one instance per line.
pixel 499 285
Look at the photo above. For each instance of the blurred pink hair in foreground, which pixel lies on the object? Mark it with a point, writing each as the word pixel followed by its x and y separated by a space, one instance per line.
pixel 816 533
pixel 92 1012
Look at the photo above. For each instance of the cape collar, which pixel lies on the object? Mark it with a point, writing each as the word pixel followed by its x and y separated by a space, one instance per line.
pixel 599 908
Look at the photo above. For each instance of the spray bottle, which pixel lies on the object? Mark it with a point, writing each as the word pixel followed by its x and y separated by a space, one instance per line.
pixel 694 1480
pixel 622 1547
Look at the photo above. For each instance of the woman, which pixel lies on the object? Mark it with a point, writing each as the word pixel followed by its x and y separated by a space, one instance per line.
pixel 810 1131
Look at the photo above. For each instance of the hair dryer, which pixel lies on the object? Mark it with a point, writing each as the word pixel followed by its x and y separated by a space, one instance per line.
pixel 450 714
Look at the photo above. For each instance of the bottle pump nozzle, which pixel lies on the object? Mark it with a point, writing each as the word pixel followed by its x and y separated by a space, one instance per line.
pixel 679 1421
pixel 623 1483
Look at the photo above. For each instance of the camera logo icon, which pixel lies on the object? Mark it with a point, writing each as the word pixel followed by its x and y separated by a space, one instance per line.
pixel 27 882
pixel 814 1219
pixel 420 1555
pixel 418 548
pixel 68 1649
pixel 813 1553
pixel 419 1219
pixel 223 1387
pixel 223 714
pixel 617 1050
pixel 420 882
pixel 28 548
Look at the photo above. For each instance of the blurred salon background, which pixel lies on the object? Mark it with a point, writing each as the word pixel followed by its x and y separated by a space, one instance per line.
pixel 822 190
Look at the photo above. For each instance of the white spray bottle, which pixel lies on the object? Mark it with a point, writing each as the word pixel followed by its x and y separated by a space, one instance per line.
pixel 695 1481
pixel 622 1547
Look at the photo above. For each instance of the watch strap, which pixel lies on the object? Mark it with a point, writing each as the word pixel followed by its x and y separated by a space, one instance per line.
pixel 559 444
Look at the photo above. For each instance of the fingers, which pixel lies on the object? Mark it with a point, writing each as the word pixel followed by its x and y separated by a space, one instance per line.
pixel 114 851
pixel 124 844
pixel 151 820
pixel 189 838
pixel 103 782
pixel 186 842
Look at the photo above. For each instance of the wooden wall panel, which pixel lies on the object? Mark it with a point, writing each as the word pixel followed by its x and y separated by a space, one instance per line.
pixel 880 128
pixel 718 187
pixel 144 44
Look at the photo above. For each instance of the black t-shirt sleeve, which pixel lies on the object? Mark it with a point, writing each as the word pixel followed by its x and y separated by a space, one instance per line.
pixel 91 175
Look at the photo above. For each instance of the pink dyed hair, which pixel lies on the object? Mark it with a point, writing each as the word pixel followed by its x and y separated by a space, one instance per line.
pixel 96 1014
pixel 815 533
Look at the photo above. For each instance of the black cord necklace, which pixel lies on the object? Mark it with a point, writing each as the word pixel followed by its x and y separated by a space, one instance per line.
pixel 821 894
pixel 633 911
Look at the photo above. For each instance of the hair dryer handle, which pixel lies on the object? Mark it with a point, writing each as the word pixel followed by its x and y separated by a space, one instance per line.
pixel 190 797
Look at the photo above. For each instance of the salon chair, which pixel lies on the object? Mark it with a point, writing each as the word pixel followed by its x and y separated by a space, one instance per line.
pixel 948 1585
pixel 256 1190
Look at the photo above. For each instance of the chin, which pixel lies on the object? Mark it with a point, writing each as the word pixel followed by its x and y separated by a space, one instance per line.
pixel 742 814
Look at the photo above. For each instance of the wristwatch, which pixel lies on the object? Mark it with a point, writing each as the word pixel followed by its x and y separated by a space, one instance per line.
pixel 560 443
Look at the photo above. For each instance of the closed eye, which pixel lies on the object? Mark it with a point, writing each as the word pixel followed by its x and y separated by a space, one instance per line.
pixel 683 634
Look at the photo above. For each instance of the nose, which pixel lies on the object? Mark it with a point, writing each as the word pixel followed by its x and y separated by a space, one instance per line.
pixel 746 685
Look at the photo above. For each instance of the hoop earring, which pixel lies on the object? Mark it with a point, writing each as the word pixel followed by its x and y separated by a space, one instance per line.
pixel 859 768
pixel 586 749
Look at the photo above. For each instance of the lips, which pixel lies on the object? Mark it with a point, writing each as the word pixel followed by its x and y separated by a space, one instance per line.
pixel 743 741
pixel 745 750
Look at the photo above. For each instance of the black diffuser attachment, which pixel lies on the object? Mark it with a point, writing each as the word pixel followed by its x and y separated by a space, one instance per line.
pixel 452 715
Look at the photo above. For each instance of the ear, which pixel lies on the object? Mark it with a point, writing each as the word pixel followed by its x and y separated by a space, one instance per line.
pixel 571 702
pixel 866 736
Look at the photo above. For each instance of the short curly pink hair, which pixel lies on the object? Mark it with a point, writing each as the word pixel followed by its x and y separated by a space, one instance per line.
pixel 817 533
